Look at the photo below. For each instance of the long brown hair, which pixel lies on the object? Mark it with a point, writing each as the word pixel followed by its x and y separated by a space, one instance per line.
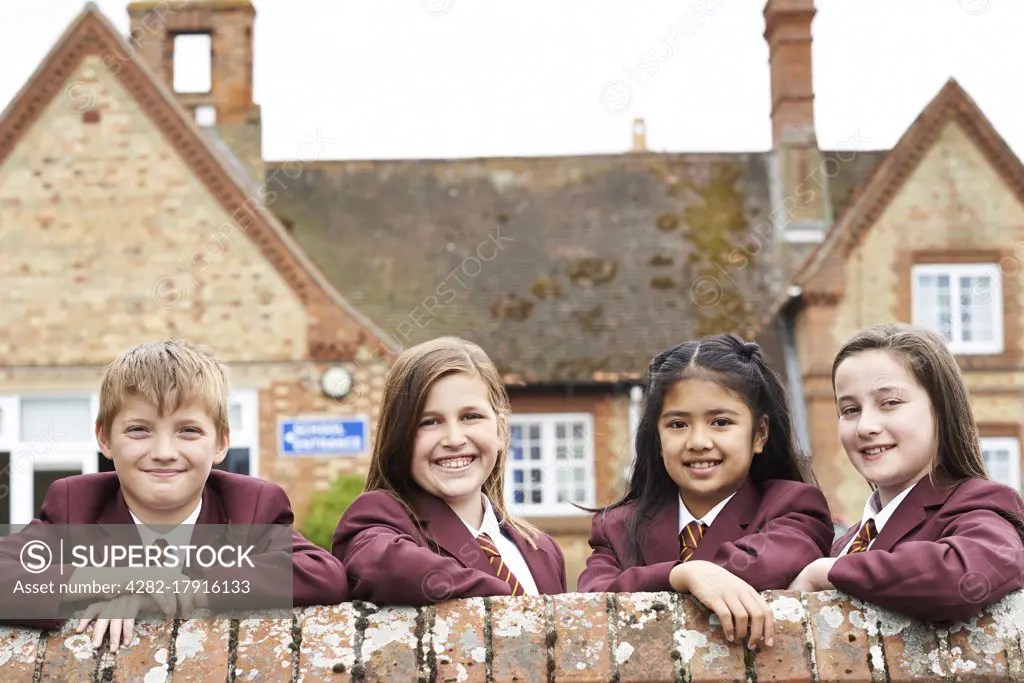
pixel 926 357
pixel 408 382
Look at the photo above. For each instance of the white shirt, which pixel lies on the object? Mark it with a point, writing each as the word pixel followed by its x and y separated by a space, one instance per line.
pixel 882 516
pixel 685 516
pixel 178 536
pixel 507 549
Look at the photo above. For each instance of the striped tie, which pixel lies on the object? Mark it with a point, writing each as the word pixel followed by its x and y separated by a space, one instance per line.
pixel 494 557
pixel 162 544
pixel 689 538
pixel 864 538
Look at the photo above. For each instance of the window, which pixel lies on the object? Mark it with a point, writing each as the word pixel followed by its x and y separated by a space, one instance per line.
pixel 1002 459
pixel 192 68
pixel 961 302
pixel 550 464
pixel 43 437
pixel 243 417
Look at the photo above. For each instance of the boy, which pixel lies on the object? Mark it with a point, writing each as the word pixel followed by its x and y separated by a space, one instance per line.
pixel 163 422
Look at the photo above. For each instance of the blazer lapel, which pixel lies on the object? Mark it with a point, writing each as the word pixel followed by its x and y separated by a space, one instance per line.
pixel 116 511
pixel 837 546
pixel 212 511
pixel 661 542
pixel 731 523
pixel 910 514
pixel 448 531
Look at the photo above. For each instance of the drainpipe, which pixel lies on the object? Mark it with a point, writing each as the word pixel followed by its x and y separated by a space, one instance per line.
pixel 636 395
pixel 794 374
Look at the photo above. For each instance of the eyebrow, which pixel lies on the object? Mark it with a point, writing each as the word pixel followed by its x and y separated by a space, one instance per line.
pixel 461 409
pixel 713 411
pixel 887 389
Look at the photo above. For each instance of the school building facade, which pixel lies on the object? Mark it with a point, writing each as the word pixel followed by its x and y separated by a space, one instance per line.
pixel 130 212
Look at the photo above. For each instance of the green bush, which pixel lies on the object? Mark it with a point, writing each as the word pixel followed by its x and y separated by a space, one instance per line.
pixel 326 508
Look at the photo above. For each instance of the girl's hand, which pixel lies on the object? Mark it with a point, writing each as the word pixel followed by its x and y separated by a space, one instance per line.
pixel 734 600
pixel 814 576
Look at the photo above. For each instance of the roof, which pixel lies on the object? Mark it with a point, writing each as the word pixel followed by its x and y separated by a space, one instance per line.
pixel 951 104
pixel 92 34
pixel 573 268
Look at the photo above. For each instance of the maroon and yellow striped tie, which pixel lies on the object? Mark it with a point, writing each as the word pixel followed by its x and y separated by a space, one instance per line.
pixel 864 537
pixel 500 568
pixel 689 539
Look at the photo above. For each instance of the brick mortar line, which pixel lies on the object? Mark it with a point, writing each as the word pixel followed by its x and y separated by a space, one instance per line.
pixel 812 644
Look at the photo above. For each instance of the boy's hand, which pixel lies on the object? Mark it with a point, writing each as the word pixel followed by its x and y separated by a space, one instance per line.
pixel 814 576
pixel 121 628
pixel 734 600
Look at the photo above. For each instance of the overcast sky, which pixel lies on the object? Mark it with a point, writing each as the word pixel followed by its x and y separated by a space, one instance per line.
pixel 465 78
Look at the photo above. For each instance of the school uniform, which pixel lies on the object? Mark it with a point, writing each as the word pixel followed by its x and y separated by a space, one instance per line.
pixel 316 577
pixel 391 561
pixel 939 552
pixel 764 535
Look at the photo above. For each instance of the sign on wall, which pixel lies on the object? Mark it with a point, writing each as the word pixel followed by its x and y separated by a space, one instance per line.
pixel 323 435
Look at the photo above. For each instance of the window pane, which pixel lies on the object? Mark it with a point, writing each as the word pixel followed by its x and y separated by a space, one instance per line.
pixel 50 421
pixel 976 308
pixel 536 476
pixel 535 497
pixel 237 461
pixel 517 476
pixel 535 432
pixel 518 496
pixel 235 416
pixel 535 453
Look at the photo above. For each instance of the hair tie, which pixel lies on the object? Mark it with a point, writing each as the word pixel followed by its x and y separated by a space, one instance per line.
pixel 749 350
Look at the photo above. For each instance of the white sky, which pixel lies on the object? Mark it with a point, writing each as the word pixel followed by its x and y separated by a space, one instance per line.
pixel 465 78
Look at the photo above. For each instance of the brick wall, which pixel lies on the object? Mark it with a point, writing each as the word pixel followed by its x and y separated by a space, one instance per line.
pixel 648 637
pixel 86 274
pixel 953 206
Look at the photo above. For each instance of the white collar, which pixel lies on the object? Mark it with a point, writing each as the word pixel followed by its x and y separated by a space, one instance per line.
pixel 188 521
pixel 685 516
pixel 881 516
pixel 489 525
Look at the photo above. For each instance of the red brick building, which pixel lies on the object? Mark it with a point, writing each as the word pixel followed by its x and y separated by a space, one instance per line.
pixel 130 212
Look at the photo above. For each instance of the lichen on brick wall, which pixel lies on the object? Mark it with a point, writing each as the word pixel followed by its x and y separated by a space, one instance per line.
pixel 652 637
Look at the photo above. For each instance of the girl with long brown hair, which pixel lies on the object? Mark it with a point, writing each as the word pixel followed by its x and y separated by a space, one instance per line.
pixel 432 524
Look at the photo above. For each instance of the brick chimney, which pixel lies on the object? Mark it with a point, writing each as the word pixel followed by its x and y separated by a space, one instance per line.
pixel 800 193
pixel 228 105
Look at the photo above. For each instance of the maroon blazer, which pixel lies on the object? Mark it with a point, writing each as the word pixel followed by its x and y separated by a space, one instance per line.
pixel 946 552
pixel 764 535
pixel 390 561
pixel 317 577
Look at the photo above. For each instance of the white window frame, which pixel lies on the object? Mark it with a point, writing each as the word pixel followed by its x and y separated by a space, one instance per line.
pixel 248 435
pixel 955 271
pixel 39 454
pixel 549 466
pixel 1011 444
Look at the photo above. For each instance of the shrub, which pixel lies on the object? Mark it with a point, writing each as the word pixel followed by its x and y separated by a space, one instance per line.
pixel 326 508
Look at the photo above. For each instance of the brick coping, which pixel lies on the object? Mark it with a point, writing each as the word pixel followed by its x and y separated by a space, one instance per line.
pixel 824 636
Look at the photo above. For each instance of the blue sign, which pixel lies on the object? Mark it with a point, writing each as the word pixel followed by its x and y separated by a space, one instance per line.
pixel 323 436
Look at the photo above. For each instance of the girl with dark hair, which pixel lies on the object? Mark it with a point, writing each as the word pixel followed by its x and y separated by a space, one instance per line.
pixel 718 505
pixel 938 540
